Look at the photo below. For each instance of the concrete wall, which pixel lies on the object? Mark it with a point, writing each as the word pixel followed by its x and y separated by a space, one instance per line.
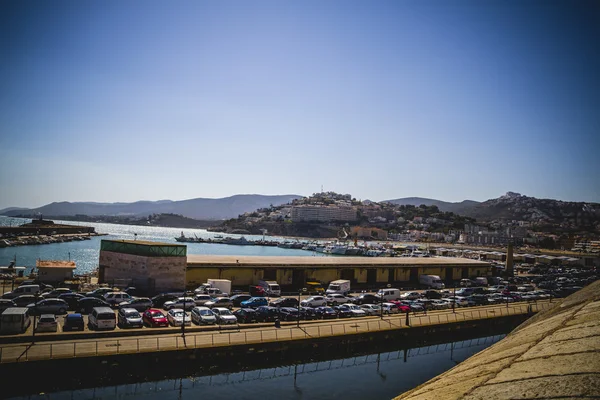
pixel 53 274
pixel 158 273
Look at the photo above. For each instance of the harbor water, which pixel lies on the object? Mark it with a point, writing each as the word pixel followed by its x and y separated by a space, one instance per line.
pixel 85 253
pixel 372 375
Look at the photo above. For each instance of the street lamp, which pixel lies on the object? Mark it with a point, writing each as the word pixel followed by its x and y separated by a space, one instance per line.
pixel 300 293
pixel 37 295
pixel 454 295
pixel 381 301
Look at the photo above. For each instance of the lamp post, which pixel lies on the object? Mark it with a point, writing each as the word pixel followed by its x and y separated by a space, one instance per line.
pixel 381 301
pixel 300 291
pixel 37 295
pixel 454 299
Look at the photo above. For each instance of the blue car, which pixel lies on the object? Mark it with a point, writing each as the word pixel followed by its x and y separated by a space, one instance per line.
pixel 255 302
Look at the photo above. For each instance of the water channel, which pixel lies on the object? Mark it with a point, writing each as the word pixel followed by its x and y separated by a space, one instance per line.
pixel 373 375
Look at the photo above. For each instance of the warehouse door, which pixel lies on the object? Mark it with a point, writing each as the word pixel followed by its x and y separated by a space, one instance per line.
pixel 371 276
pixel 298 278
pixel 348 274
pixel 391 277
pixel 414 276
pixel 449 277
pixel 270 274
pixel 465 272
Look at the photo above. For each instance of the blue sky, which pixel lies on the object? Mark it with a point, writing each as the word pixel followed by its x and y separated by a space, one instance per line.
pixel 124 101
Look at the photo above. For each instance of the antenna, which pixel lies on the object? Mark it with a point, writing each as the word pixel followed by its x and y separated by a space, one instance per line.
pixel 321 188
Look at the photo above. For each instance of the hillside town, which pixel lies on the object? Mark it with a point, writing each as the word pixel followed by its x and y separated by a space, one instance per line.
pixel 548 224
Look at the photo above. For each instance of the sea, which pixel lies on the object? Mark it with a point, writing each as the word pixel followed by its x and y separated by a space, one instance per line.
pixel 86 253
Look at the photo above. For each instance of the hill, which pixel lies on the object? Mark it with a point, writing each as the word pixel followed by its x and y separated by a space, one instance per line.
pixel 200 208
pixel 539 212
pixel 461 208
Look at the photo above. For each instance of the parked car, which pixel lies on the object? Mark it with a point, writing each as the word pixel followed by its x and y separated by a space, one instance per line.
pixel 465 283
pixel 176 317
pixel 402 305
pixel 245 315
pixel 266 314
pixel 224 316
pixel 24 299
pixel 154 318
pixel 73 322
pixel 53 294
pixel 314 301
pixel 159 300
pixel 325 312
pixel 307 313
pixel 390 308
pixel 342 312
pixel 47 323
pixel 337 299
pixel 410 296
pixel 7 303
pixel 102 318
pixel 129 318
pixel 87 304
pixel 99 293
pixel 254 302
pixel 224 302
pixel 238 298
pixel 203 316
pixel 432 294
pixel 288 314
pixel 366 298
pixel 201 299
pixel 71 299
pixel 141 304
pixel 354 309
pixel 284 302
pixel 115 298
pixel 371 309
pixel 48 306
pixel 185 303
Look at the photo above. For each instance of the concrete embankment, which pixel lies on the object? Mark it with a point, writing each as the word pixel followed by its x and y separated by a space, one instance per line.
pixel 555 354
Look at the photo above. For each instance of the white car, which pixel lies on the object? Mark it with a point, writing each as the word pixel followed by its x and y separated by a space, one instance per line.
pixel 203 316
pixel 314 301
pixel 371 309
pixel 440 305
pixel 354 309
pixel 176 317
pixel 179 303
pixel 200 299
pixel 337 299
pixel 47 323
pixel 458 300
pixel 224 316
pixel 410 296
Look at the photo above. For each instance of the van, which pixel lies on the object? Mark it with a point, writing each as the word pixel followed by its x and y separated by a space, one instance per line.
pixel 15 320
pixel 271 287
pixel 480 281
pixel 24 289
pixel 388 294
pixel 102 318
pixel 431 281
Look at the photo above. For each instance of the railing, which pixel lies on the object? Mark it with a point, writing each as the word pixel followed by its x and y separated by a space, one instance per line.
pixel 225 337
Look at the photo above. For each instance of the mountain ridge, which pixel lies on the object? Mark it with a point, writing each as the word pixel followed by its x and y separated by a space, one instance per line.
pixel 198 208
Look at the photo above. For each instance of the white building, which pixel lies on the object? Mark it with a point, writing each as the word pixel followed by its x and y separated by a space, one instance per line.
pixel 323 213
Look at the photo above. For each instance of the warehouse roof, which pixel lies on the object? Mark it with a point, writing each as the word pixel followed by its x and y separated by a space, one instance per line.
pixel 195 260
pixel 55 264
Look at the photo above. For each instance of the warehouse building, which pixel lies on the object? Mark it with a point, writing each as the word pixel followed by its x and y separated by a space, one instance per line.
pixel 293 272
pixel 149 266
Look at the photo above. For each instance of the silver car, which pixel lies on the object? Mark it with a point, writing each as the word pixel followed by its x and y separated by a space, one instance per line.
pixel 130 318
pixel 48 306
pixel 224 316
pixel 47 323
pixel 186 303
pixel 224 302
pixel 176 317
pixel 203 316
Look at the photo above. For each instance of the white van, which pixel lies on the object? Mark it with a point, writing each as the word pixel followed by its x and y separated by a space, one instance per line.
pixel 15 320
pixel 431 281
pixel 388 294
pixel 271 287
pixel 24 289
pixel 102 318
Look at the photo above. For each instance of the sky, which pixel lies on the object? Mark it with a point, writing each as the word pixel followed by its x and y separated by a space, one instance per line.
pixel 113 101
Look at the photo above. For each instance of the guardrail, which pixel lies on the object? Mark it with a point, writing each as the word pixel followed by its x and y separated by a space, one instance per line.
pixel 106 347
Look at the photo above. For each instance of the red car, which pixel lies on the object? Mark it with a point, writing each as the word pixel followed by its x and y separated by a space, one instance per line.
pixel 402 307
pixel 154 318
